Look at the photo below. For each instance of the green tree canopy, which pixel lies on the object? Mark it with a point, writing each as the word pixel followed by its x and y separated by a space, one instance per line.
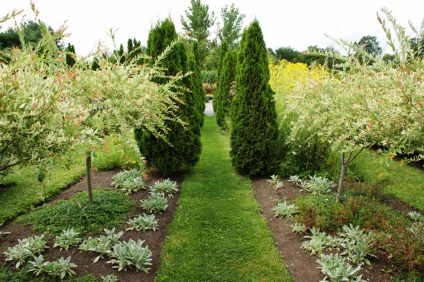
pixel 198 23
pixel 232 25
pixel 182 145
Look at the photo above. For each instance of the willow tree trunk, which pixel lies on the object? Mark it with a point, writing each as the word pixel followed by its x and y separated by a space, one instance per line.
pixel 88 173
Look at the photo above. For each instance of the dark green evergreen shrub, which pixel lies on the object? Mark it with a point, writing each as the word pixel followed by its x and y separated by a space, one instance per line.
pixel 225 89
pixel 253 114
pixel 182 145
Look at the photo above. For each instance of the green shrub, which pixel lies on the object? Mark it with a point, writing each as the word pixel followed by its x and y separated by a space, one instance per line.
pixel 114 153
pixel 253 115
pixel 109 209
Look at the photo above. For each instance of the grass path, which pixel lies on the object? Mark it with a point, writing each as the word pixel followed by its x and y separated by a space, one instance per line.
pixel 218 233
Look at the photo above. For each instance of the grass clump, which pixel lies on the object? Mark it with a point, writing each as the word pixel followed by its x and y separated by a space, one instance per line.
pixel 109 209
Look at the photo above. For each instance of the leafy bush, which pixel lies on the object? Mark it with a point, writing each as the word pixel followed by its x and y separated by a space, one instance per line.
pixel 143 222
pixel 337 269
pixel 155 203
pixel 26 248
pixel 284 209
pixel 129 254
pixel 59 268
pixel 67 239
pixel 165 187
pixel 108 210
pixel 115 153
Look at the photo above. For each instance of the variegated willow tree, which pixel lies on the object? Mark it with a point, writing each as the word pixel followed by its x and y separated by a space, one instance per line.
pixel 366 104
pixel 47 108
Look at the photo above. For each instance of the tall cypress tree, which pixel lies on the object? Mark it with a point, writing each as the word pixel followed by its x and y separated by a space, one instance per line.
pixel 196 82
pixel 222 52
pixel 223 97
pixel 184 145
pixel 253 113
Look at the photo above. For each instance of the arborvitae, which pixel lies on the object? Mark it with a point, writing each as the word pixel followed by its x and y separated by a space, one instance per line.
pixel 70 55
pixel 222 52
pixel 197 88
pixel 253 113
pixel 184 145
pixel 226 82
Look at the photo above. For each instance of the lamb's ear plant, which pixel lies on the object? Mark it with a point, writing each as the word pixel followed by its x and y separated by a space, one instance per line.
pixel 67 239
pixel 296 180
pixel 130 254
pixel 2 233
pixel 60 268
pixel 284 209
pixel 142 223
pixel 319 242
pixel 165 187
pixel 129 181
pixel 26 248
pixel 414 215
pixel 357 244
pixel 317 185
pixel 335 268
pixel 109 278
pixel 156 203
pixel 275 182
pixel 101 244
pixel 298 228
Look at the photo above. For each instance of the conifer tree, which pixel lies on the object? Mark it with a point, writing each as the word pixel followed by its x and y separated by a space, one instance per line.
pixel 197 82
pixel 182 146
pixel 222 52
pixel 223 95
pixel 253 113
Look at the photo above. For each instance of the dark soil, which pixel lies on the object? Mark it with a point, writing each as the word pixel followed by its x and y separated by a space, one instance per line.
pixel 302 266
pixel 153 239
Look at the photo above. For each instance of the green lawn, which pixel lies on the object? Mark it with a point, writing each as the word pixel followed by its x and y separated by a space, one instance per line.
pixel 218 233
pixel 27 192
pixel 401 181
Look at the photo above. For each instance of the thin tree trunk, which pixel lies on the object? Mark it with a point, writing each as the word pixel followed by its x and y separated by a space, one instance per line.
pixel 88 172
pixel 345 163
pixel 340 186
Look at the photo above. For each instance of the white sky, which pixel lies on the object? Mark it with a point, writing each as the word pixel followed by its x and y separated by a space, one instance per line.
pixel 294 23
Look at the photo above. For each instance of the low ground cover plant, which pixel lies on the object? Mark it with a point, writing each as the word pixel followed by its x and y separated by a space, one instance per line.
pixel 335 268
pixel 109 209
pixel 156 203
pixel 26 249
pixel 284 209
pixel 165 187
pixel 129 181
pixel 68 238
pixel 130 254
pixel 60 268
pixel 143 222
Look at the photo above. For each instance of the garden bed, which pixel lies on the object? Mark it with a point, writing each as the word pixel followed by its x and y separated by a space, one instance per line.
pixel 153 239
pixel 303 266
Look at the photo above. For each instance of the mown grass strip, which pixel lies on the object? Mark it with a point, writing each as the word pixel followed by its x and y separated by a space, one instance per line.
pixel 218 233
pixel 402 181
pixel 26 191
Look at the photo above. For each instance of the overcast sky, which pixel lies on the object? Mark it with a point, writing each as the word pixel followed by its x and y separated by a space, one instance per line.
pixel 295 23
